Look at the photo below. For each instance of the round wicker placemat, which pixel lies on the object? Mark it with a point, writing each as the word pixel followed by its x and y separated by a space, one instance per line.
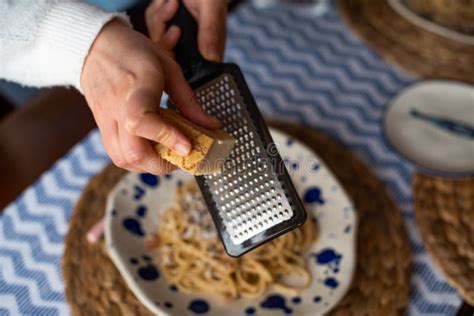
pixel 444 211
pixel 415 49
pixel 381 283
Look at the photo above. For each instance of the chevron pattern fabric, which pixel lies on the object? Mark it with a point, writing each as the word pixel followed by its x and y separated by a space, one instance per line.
pixel 302 68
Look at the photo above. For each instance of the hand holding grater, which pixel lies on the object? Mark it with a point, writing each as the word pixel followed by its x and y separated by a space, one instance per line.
pixel 253 199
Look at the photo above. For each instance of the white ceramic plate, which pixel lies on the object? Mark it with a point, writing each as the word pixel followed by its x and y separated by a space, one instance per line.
pixel 134 208
pixel 432 124
pixel 428 25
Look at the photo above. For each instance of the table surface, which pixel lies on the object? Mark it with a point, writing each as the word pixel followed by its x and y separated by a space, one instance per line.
pixel 301 68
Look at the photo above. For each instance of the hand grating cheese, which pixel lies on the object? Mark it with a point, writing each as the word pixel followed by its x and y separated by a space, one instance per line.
pixel 209 148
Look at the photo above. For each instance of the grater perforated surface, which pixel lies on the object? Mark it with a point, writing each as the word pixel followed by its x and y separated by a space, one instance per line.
pixel 248 193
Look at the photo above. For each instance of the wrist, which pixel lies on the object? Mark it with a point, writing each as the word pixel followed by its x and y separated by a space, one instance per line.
pixel 109 31
pixel 103 41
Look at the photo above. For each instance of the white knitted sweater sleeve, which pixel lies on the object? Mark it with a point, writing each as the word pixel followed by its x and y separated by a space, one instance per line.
pixel 45 42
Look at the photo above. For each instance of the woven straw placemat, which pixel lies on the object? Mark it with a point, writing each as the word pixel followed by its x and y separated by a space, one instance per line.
pixel 415 49
pixel 444 211
pixel 381 283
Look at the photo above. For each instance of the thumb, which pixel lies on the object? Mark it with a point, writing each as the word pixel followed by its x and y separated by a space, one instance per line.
pixel 140 118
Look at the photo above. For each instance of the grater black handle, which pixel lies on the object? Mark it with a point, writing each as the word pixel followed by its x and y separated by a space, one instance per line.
pixel 186 50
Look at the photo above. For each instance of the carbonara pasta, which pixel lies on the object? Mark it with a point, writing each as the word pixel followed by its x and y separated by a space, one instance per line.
pixel 192 257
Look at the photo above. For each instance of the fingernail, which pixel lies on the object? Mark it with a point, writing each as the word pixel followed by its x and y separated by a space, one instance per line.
pixel 212 54
pixel 174 29
pixel 182 148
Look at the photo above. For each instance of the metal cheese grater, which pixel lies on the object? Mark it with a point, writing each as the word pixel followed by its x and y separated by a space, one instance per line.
pixel 253 199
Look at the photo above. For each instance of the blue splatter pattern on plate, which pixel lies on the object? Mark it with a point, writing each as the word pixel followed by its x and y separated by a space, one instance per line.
pixel 136 204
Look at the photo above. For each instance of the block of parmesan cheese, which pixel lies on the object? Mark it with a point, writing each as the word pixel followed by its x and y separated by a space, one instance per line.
pixel 209 149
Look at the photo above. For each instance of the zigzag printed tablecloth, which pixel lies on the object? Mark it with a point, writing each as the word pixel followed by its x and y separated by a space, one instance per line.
pixel 300 67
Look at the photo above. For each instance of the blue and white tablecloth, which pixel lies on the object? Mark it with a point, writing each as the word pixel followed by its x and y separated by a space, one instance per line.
pixel 301 68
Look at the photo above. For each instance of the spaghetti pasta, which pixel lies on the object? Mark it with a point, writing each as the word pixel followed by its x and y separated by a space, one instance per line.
pixel 192 257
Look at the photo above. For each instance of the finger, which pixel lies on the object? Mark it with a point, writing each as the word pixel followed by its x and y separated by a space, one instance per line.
pixel 110 139
pixel 157 15
pixel 114 148
pixel 150 11
pixel 212 29
pixel 132 151
pixel 140 118
pixel 140 155
pixel 183 96
pixel 169 40
pixel 96 232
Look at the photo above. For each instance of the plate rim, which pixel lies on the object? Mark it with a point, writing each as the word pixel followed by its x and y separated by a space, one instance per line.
pixel 390 144
pixel 428 25
pixel 117 259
